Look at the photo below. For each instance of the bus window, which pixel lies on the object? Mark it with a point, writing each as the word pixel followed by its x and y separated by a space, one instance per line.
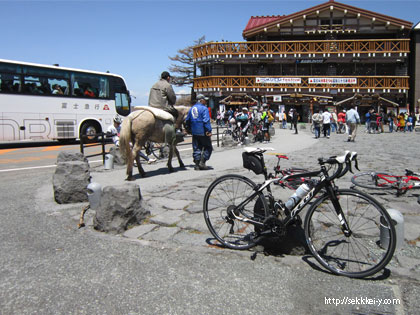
pixel 63 84
pixel 90 85
pixel 9 83
pixel 36 85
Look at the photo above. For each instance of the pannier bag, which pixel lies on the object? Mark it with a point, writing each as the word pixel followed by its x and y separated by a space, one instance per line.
pixel 253 162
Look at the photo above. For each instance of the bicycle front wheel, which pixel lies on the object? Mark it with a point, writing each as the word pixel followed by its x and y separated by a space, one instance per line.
pixel 374 180
pixel 371 242
pixel 226 221
pixel 159 150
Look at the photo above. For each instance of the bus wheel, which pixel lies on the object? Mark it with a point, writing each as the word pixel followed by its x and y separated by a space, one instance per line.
pixel 89 131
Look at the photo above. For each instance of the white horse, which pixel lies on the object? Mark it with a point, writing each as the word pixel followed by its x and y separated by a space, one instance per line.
pixel 152 124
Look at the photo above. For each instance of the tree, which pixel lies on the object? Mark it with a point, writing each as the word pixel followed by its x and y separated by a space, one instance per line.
pixel 184 65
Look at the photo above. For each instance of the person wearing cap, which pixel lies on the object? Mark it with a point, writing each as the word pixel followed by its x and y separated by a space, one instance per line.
pixel 198 124
pixel 162 95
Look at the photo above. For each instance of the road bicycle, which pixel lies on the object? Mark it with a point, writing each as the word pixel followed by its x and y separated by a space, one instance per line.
pixel 321 128
pixel 236 133
pixel 158 150
pixel 343 227
pixel 341 127
pixel 257 132
pixel 380 180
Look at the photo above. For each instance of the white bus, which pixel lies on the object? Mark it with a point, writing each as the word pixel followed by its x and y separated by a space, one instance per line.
pixel 42 102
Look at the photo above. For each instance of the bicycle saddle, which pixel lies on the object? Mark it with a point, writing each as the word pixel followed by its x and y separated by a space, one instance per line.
pixel 256 150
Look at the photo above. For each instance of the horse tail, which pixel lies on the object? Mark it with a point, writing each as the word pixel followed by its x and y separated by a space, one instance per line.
pixel 125 138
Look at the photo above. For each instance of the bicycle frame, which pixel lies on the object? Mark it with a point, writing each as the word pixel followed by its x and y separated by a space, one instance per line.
pixel 325 182
pixel 400 180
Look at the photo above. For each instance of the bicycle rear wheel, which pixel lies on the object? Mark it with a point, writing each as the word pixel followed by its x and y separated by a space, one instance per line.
pixel 374 180
pixel 220 208
pixel 361 254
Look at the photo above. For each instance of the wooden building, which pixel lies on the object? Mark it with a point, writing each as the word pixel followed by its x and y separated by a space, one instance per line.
pixel 331 54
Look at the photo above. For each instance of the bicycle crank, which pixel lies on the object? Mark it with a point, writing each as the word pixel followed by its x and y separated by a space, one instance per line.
pixel 275 225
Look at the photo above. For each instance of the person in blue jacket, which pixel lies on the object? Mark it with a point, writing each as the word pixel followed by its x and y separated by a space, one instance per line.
pixel 198 123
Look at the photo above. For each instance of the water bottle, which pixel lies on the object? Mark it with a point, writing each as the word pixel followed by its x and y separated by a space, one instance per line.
pixel 297 196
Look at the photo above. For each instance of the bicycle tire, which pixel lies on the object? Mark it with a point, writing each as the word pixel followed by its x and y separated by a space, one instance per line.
pixel 370 180
pixel 360 254
pixel 159 150
pixel 222 195
pixel 226 133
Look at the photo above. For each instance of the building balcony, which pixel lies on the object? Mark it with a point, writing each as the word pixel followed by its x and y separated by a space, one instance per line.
pixel 289 84
pixel 311 49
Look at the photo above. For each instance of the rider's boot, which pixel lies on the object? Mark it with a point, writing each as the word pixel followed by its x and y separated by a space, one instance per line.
pixel 202 164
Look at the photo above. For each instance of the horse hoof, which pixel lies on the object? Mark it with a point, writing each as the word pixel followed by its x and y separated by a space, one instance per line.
pixel 143 174
pixel 171 169
pixel 130 178
pixel 182 165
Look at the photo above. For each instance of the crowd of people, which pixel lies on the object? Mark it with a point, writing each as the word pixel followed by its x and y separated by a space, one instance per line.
pixel 325 122
pixel 402 122
pixel 257 119
pixel 329 121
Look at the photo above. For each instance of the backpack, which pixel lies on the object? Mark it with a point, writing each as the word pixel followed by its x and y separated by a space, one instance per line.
pixel 270 116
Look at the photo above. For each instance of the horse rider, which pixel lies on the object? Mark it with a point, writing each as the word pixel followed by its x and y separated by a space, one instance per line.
pixel 162 96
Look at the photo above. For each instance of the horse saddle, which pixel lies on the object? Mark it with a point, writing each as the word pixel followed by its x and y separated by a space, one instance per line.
pixel 159 113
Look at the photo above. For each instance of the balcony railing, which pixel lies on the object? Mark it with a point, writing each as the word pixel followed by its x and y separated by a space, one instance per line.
pixel 385 84
pixel 377 46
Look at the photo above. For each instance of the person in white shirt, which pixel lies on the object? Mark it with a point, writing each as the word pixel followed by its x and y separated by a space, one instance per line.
pixel 352 119
pixel 114 131
pixel 326 121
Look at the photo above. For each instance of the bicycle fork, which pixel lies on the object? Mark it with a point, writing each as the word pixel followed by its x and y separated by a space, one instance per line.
pixel 345 228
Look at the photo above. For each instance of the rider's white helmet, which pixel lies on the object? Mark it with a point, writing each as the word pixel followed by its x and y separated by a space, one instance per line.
pixel 118 119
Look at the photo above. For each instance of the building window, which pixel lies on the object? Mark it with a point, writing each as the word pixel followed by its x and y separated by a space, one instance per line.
pixel 288 69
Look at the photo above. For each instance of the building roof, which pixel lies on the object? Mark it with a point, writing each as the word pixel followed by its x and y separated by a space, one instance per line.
pixel 256 21
pixel 257 24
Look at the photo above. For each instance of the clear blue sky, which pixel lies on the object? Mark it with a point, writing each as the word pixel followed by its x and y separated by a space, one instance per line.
pixel 134 38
